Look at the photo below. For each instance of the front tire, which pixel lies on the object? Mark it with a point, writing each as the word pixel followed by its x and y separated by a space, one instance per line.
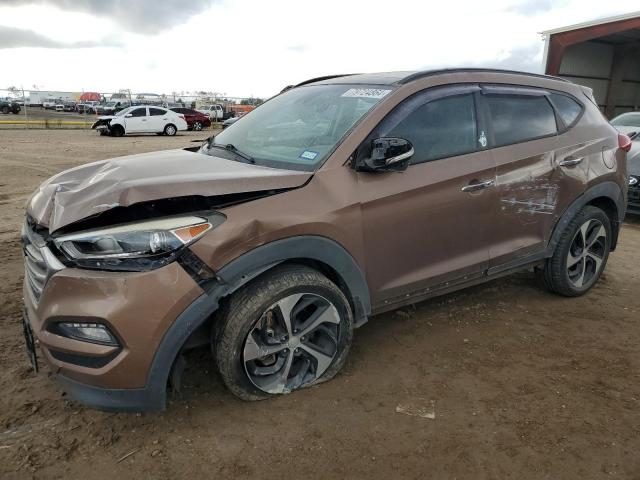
pixel 117 131
pixel 197 126
pixel 289 329
pixel 580 256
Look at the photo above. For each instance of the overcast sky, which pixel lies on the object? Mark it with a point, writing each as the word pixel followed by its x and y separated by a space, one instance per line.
pixel 253 47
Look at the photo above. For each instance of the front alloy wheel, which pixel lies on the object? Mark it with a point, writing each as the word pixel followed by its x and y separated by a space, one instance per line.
pixel 292 344
pixel 288 329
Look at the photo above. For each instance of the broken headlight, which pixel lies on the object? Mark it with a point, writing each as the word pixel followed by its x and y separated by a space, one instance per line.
pixel 135 246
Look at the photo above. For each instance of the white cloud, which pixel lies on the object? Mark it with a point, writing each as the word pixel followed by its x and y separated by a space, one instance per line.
pixel 252 47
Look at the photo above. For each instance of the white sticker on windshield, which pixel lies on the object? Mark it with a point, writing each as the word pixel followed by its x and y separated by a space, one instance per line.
pixel 366 92
pixel 309 155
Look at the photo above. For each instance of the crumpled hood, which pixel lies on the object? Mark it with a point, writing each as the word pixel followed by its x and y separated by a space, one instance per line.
pixel 96 187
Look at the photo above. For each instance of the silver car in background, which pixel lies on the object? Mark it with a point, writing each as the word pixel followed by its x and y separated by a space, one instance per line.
pixel 629 124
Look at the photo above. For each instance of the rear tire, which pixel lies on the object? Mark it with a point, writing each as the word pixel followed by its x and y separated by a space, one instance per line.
pixel 580 255
pixel 170 130
pixel 289 329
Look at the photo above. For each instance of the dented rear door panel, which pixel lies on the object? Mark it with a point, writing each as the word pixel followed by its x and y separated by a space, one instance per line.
pixel 532 191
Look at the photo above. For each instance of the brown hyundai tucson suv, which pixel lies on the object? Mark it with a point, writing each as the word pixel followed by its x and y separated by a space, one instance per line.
pixel 338 199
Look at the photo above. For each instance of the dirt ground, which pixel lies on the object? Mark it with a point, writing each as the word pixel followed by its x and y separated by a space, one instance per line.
pixel 511 382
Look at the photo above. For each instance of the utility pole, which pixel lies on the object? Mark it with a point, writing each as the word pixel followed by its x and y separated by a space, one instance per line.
pixel 24 104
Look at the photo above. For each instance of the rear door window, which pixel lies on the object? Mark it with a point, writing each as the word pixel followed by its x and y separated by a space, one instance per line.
pixel 156 111
pixel 568 109
pixel 441 128
pixel 520 118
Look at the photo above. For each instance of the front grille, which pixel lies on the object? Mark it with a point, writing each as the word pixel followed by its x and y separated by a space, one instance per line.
pixel 39 262
pixel 634 194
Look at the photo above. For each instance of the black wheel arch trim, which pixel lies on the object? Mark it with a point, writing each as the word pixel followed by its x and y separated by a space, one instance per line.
pixel 608 189
pixel 228 279
pixel 304 247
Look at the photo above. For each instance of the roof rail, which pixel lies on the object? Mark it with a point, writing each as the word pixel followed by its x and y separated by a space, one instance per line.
pixel 428 73
pixel 320 79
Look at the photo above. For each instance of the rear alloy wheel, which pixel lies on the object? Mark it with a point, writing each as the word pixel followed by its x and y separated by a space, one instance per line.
pixel 197 126
pixel 586 253
pixel 288 330
pixel 170 130
pixel 581 254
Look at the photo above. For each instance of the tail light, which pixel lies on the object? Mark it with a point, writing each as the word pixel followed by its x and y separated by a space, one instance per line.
pixel 624 142
pixel 182 117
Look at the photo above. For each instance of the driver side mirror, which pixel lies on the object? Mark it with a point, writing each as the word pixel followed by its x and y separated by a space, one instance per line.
pixel 388 154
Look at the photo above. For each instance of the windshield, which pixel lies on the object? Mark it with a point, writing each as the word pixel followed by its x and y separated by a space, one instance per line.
pixel 627 120
pixel 299 129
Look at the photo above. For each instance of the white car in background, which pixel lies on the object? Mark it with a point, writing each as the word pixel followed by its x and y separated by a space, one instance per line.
pixel 141 119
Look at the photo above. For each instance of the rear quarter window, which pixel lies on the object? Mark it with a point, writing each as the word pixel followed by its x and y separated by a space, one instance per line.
pixel 568 109
pixel 519 118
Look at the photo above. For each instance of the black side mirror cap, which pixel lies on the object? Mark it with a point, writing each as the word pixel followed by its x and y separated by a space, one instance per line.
pixel 388 154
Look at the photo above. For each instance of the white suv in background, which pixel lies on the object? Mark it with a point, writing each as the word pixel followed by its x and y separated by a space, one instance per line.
pixel 141 119
pixel 214 112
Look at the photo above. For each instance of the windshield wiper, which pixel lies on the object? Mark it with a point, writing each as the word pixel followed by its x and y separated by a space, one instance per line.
pixel 231 148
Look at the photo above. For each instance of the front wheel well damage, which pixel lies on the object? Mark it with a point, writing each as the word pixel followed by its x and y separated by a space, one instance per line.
pixel 202 335
pixel 116 130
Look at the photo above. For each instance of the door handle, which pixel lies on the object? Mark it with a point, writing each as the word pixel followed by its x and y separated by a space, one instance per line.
pixel 473 187
pixel 570 161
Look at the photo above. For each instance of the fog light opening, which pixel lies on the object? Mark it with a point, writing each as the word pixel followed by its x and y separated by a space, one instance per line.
pixel 88 332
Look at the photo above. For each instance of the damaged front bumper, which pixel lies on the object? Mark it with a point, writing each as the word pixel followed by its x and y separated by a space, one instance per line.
pixel 137 308
pixel 103 125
